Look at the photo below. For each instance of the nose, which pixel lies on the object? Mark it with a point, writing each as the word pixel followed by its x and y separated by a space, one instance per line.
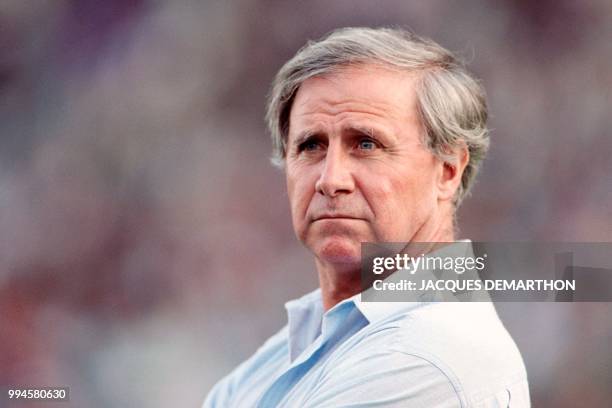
pixel 336 177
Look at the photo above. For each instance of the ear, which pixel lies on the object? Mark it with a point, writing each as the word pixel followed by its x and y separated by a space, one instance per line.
pixel 452 171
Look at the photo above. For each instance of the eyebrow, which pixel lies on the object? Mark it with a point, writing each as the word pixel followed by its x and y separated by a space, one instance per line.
pixel 374 132
pixel 366 130
pixel 370 131
pixel 305 135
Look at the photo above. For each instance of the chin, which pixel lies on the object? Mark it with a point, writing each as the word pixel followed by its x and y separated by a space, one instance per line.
pixel 339 251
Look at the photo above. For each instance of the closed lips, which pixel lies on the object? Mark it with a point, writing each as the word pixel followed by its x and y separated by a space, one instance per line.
pixel 335 216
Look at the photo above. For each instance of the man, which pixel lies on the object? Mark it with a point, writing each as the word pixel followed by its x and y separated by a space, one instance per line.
pixel 380 133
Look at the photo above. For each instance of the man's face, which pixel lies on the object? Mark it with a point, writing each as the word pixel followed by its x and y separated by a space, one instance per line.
pixel 356 168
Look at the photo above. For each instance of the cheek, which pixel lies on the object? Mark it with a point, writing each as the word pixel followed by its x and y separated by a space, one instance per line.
pixel 416 185
pixel 299 191
pixel 390 194
pixel 399 199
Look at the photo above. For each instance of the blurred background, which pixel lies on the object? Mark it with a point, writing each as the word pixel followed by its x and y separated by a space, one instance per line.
pixel 145 240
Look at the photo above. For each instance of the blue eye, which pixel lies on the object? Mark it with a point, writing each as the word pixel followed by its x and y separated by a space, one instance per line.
pixel 308 145
pixel 367 144
pixel 311 145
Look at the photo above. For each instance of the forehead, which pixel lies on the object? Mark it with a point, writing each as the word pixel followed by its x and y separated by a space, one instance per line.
pixel 368 90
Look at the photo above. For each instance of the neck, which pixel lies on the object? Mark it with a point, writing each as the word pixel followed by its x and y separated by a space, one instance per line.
pixel 338 282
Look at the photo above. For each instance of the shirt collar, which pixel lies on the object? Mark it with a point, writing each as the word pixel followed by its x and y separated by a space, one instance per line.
pixel 305 314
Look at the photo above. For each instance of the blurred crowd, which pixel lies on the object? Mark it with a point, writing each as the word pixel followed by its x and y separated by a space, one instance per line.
pixel 145 240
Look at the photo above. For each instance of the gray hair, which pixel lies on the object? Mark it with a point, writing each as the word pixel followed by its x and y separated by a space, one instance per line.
pixel 450 101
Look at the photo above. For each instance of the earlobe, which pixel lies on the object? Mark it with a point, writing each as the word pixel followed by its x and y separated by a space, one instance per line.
pixel 452 171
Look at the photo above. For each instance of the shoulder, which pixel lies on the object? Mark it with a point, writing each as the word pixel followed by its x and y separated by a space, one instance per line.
pixel 465 336
pixel 462 344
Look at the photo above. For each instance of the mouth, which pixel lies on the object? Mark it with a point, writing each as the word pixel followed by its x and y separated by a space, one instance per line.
pixel 335 217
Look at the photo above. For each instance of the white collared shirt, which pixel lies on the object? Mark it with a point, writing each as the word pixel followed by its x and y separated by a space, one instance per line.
pixel 381 354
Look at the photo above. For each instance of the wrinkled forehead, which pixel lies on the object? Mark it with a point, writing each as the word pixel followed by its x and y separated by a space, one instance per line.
pixel 364 89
